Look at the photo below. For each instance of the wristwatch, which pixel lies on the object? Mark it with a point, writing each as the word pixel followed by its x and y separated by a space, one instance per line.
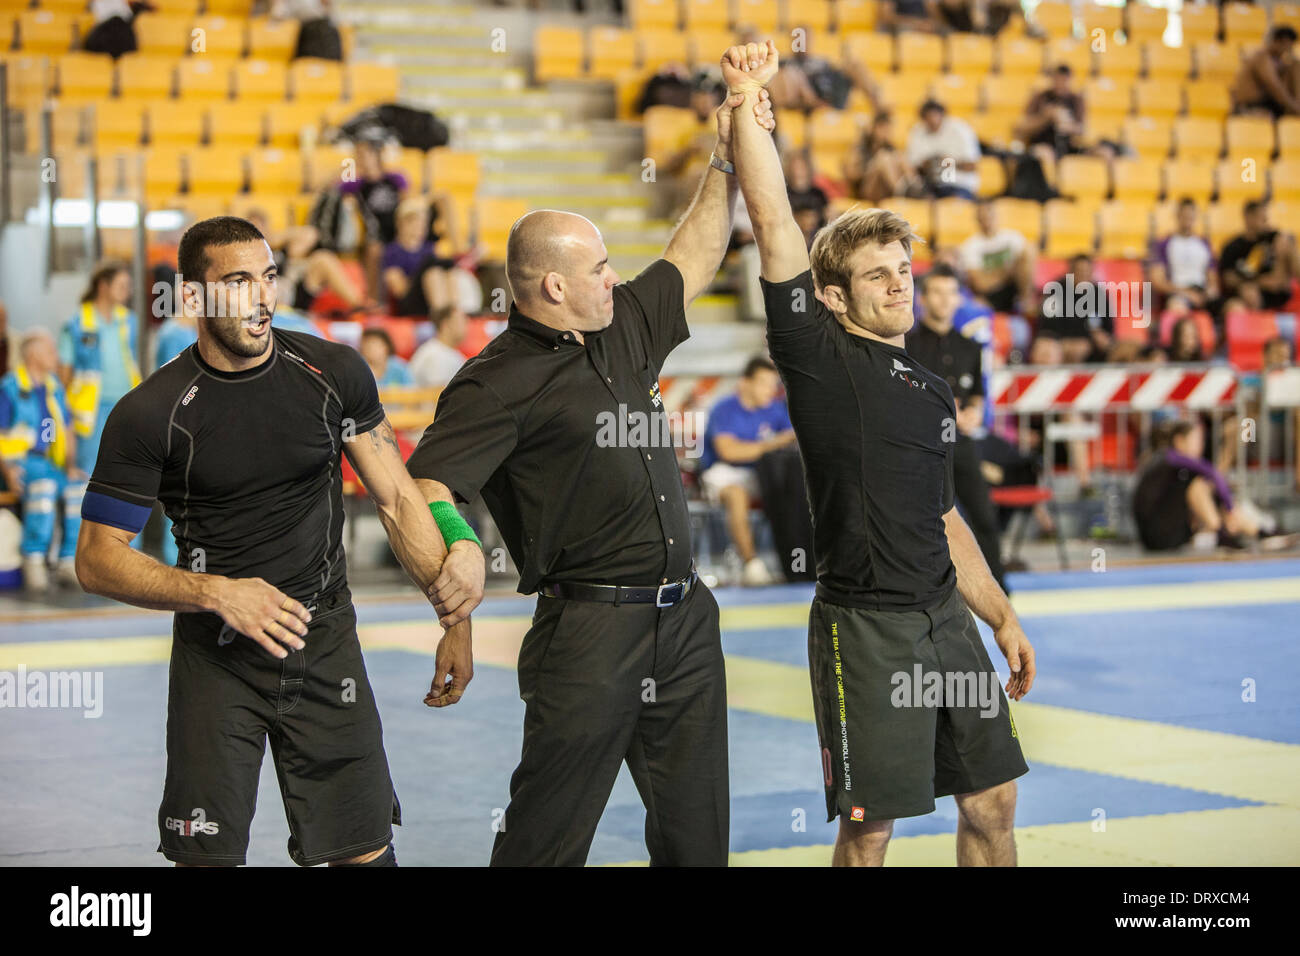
pixel 722 164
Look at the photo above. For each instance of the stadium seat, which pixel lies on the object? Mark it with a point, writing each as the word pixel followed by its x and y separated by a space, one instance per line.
pixel 84 76
pixel 117 123
pixel 263 81
pixel 285 122
pixel 1070 228
pixel 904 93
pixel 1237 182
pixel 762 15
pixel 1200 23
pixel 371 83
pixel 162 173
pixel 272 39
pixel 1222 222
pixel 1145 23
pixel 856 16
pixel 954 222
pixel 1250 136
pixel 996 129
pixel 1075 53
pixel 1103 126
pixel 653 14
pixel 1214 61
pixel 1108 19
pixel 1207 98
pixel 275 171
pixel 1083 178
pixel 811 15
pixel 1286 13
pixel 1166 62
pixel 42 31
pixel 159 34
pixel 610 50
pixel 326 165
pixel 1122 61
pixel 1148 137
pixel 1108 95
pixel 228 8
pixel 453 171
pixel 410 163
pixel 30 78
pixel 830 129
pixel 68 123
pixel 920 53
pixel 1189 177
pixel 1288 136
pixel 959 94
pixel 1023 216
pixel 215 172
pixel 314 80
pixel 1020 56
pixel 174 124
pixel 1244 23
pixel 204 78
pixel 917 212
pixel 705 15
pixel 820 43
pixel 792 128
pixel 875 51
pixel 273 206
pixel 993 177
pixel 706 46
pixel 1164 218
pixel 969 54
pixel 235 125
pixel 1054 18
pixel 218 36
pixel 667 130
pixel 1158 98
pixel 557 54
pixel 660 47
pixel 142 75
pixel 1124 228
pixel 1136 179
pixel 495 216
pixel 1246 332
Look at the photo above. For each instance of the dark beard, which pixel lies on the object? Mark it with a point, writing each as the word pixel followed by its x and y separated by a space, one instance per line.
pixel 227 334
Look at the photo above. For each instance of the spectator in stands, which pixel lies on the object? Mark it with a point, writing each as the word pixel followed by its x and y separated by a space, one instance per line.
pixel 39 452
pixel 875 170
pixel 808 201
pixel 377 349
pixel 416 279
pixel 1078 315
pixel 1269 77
pixel 317 36
pixel 1257 267
pixel 1178 308
pixel 306 268
pixel 742 429
pixel 909 16
pixel 671 85
pixel 1052 124
pixel 114 28
pixel 1183 263
pixel 378 192
pixel 1277 353
pixel 999 263
pixel 97 349
pixel 945 151
pixel 1185 342
pixel 807 82
pixel 436 362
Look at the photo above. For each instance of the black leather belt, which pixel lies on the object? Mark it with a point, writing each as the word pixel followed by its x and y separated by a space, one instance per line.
pixel 663 595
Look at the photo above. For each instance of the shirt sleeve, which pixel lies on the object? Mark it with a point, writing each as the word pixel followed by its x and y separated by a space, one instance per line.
pixel 359 392
pixel 472 435
pixel 657 295
pixel 128 471
pixel 795 320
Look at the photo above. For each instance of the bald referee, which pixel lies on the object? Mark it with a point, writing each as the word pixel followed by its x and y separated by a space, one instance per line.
pixel 240 437
pixel 908 705
pixel 623 662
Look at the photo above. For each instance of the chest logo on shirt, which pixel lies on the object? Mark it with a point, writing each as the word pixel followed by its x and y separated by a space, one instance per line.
pixel 900 371
pixel 189 396
pixel 655 398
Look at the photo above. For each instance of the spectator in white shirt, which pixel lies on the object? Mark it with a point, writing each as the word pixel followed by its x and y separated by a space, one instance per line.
pixel 999 264
pixel 946 151
pixel 436 361
pixel 1183 263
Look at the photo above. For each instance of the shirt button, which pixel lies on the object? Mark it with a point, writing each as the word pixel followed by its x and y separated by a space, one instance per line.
pixel 670 540
pixel 649 457
pixel 663 581
pixel 555 348
pixel 608 379
pixel 661 498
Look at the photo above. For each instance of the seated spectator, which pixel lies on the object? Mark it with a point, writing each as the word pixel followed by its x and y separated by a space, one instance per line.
pixel 1052 124
pixel 1183 263
pixel 742 429
pixel 306 268
pixel 417 280
pixel 318 36
pixel 1178 308
pixel 378 192
pixel 38 453
pixel 945 151
pixel 1080 317
pixel 909 16
pixel 1185 342
pixel 808 201
pixel 1269 77
pixel 114 27
pixel 437 361
pixel 874 169
pixel 670 86
pixel 807 82
pixel 377 349
pixel 999 263
pixel 1257 267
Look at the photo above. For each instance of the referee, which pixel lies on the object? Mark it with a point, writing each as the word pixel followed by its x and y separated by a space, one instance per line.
pixel 897 568
pixel 240 437
pixel 558 423
pixel 959 361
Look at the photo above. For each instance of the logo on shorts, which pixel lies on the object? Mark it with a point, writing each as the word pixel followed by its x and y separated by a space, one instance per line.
pixel 858 814
pixel 189 396
pixel 189 828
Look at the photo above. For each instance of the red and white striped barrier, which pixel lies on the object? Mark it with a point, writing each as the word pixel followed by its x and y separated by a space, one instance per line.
pixel 1108 388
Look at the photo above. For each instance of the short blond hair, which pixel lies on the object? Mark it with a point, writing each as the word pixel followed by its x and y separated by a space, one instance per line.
pixel 836 242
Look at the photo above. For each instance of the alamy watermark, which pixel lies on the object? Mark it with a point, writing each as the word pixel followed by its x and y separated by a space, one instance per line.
pixel 1084 300
pixel 68 690
pixel 946 689
pixel 659 429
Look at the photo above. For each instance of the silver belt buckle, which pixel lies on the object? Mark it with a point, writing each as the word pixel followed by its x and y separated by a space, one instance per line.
pixel 659 593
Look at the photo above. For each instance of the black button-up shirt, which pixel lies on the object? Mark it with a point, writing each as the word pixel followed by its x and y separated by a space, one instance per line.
pixel 952 356
pixel 570 445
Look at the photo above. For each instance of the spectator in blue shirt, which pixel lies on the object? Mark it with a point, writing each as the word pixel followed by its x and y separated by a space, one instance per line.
pixel 377 349
pixel 742 429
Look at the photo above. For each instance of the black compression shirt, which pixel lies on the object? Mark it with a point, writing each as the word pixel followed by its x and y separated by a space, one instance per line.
pixel 871 424
pixel 246 464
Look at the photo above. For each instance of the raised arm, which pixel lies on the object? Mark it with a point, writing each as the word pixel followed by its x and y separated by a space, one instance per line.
pixel 783 254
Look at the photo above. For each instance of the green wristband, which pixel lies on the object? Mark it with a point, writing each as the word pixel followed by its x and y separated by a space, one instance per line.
pixel 453 527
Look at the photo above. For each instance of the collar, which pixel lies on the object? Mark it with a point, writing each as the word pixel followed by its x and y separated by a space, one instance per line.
pixel 554 338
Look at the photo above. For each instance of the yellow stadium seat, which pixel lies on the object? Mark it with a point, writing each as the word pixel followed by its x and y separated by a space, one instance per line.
pixel 1288 137
pixel 659 47
pixel 1082 177
pixel 1164 219
pixel 1214 61
pixel 1236 181
pixel 453 171
pixel 495 217
pixel 42 31
pixel 856 16
pixel 263 81
pixel 61 6
pixel 1249 136
pixel 1200 22
pixel 1005 94
pixel 370 83
pixel 117 123
pixel 1167 62
pixel 969 54
pixel 67 127
pixel 71 178
pixel 762 15
pixel 960 94
pixel 1149 136
pixel 667 130
pixel 653 14
pixel 1124 229
pixel 830 130
pixel 273 206
pixel 1021 215
pixel 327 165
pixel 1071 228
pixel 820 43
pixel 158 34
pixel 410 163
pixel 237 125
pixel 557 54
pixel 920 53
pixel 1019 55
pixel 1120 61
pixel 1108 95
pixel 204 78
pixel 709 15
pixel 1198 138
pixel 1094 17
pixel 286 123
pixel 1158 98
pixel 995 129
pixel 792 128
pixel 315 80
pixel 1074 53
pixel 147 76
pixel 903 93
pixel 277 171
pixel 1186 177
pixel 1145 23
pixel 1054 18
pixel 1137 179
pixel 1286 13
pixel 272 39
pixel 229 8
pixel 705 47
pixel 610 50
pixel 806 15
pixel 162 173
pixel 1222 223
pixel 1103 126
pixel 954 221
pixel 174 124
pixel 1244 23
pixel 1207 98
pixel 85 76
pixel 218 36
pixel 875 51
pixel 628 86
pixel 993 177
pixel 1285 179
pixel 215 171
pixel 30 78
pixel 916 212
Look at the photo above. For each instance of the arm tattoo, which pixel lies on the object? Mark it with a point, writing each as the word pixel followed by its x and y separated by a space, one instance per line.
pixel 381 436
